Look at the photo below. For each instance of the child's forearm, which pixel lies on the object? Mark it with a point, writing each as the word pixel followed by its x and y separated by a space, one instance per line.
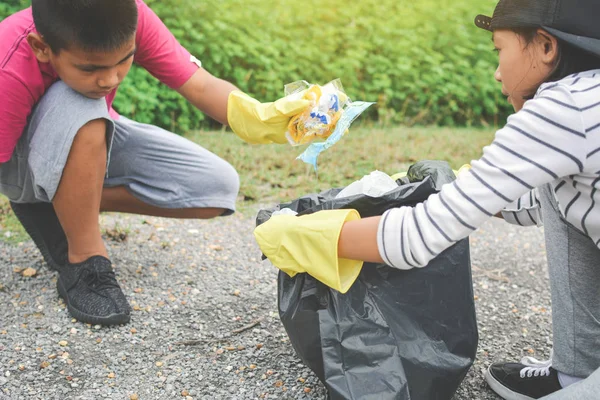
pixel 209 94
pixel 358 240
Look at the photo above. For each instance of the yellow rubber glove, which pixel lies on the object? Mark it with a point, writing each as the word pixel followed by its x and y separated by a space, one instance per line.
pixel 310 244
pixel 262 123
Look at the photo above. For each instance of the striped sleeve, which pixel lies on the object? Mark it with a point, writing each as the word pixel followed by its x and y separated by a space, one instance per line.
pixel 526 211
pixel 542 142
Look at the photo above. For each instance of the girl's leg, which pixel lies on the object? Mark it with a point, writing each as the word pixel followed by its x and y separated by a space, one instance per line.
pixel 574 268
pixel 586 389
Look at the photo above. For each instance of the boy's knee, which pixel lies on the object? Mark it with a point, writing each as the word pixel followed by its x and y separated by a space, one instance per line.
pixel 220 188
pixel 62 122
pixel 230 181
pixel 226 183
pixel 60 96
pixel 92 134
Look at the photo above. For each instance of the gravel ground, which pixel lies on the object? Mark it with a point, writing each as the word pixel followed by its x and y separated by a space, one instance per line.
pixel 203 281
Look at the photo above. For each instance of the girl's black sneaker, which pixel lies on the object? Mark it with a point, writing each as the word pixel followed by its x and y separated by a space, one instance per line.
pixel 528 380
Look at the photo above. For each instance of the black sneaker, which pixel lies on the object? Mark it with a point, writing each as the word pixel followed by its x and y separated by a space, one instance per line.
pixel 92 292
pixel 41 223
pixel 530 379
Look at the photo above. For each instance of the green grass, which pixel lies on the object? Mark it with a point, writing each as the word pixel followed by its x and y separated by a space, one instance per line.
pixel 271 174
pixel 11 230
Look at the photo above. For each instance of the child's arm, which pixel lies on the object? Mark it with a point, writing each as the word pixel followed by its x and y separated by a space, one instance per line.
pixel 358 240
pixel 209 94
pixel 526 211
pixel 159 52
pixel 16 104
pixel 528 152
pixel 251 120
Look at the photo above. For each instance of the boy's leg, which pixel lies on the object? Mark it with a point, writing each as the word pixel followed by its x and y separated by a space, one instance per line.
pixel 574 268
pixel 83 174
pixel 155 172
pixel 119 199
pixel 77 199
pixel 152 171
pixel 61 158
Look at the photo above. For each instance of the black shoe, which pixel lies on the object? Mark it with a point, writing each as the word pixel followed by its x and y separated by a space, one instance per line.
pixel 92 292
pixel 41 223
pixel 530 379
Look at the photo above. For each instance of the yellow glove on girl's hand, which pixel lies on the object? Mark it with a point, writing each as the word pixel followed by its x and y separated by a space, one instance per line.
pixel 310 244
pixel 262 123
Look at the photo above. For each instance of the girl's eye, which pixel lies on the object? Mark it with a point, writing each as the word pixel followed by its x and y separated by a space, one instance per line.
pixel 497 50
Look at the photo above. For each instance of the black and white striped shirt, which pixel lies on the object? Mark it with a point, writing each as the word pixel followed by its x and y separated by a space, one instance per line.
pixel 554 139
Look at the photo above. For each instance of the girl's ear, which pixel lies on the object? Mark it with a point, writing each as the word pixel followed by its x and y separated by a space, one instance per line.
pixel 40 47
pixel 547 46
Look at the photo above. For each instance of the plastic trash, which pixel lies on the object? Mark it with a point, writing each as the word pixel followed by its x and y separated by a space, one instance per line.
pixel 327 120
pixel 285 211
pixel 376 184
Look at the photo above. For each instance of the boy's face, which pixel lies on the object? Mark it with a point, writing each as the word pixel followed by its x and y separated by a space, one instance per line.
pixel 522 67
pixel 91 73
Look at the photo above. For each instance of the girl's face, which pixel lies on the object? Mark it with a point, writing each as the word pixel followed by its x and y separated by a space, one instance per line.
pixel 523 67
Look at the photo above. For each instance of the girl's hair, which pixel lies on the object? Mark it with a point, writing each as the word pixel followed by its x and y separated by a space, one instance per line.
pixel 570 60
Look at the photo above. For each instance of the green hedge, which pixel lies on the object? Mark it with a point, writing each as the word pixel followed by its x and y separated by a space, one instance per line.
pixel 8 7
pixel 422 61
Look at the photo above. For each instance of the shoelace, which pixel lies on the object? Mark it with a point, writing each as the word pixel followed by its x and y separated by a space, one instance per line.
pixel 534 367
pixel 97 281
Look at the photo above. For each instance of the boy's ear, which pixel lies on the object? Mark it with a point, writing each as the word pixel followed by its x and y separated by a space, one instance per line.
pixel 39 46
pixel 549 46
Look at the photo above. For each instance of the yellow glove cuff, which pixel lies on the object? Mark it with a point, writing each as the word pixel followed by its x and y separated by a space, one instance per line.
pixel 241 108
pixel 339 273
pixel 310 244
pixel 261 123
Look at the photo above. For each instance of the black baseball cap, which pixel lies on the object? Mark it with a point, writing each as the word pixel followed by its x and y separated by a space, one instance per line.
pixel 573 21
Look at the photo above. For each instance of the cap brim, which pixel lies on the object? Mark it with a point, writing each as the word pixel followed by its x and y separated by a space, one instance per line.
pixel 483 22
pixel 590 45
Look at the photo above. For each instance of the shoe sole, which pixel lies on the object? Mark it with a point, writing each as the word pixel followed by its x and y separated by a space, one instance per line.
pixel 35 236
pixel 113 319
pixel 502 390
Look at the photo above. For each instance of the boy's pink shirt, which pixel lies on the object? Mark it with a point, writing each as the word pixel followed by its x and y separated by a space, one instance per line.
pixel 23 80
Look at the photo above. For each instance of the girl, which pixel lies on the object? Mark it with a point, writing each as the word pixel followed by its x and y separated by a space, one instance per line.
pixel 542 167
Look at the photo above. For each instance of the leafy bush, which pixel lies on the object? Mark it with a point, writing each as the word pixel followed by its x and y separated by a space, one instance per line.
pixel 423 62
pixel 8 7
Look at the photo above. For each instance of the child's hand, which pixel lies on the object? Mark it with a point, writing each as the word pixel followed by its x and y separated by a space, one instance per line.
pixel 310 244
pixel 262 123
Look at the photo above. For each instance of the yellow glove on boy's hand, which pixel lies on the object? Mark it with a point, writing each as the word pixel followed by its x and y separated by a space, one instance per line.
pixel 310 244
pixel 262 123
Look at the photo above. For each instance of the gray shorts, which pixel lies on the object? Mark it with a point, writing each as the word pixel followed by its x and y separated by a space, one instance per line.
pixel 158 167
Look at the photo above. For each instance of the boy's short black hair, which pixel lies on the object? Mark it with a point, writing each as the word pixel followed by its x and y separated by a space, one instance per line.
pixel 90 25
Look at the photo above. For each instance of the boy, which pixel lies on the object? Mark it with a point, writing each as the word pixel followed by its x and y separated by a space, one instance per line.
pixel 65 155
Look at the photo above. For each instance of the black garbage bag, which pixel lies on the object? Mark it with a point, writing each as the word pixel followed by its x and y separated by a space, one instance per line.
pixel 402 335
pixel 439 171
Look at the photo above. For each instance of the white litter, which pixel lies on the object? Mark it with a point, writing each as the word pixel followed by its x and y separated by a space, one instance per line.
pixel 376 184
